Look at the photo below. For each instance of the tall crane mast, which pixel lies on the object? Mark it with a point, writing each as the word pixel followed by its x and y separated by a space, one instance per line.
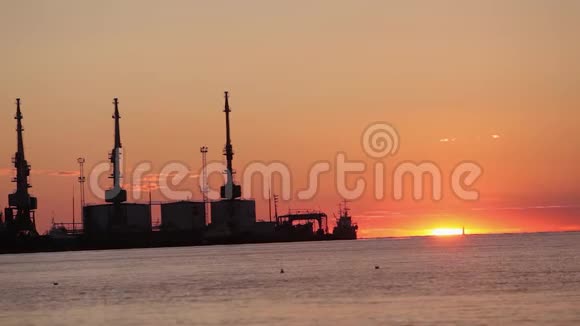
pixel 20 215
pixel 229 190
pixel 116 194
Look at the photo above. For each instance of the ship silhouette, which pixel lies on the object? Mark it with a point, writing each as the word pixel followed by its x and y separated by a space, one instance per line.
pixel 345 229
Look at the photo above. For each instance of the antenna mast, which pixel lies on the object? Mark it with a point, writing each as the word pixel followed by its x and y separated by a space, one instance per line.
pixel 204 188
pixel 73 208
pixel 270 204
pixel 81 162
pixel 276 209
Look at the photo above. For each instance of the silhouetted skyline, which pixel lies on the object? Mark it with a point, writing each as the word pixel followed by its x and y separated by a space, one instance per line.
pixel 489 82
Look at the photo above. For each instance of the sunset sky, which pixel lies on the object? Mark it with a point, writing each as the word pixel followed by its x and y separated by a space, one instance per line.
pixel 492 82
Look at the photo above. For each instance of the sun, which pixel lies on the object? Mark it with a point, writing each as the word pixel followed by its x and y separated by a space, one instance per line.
pixel 446 231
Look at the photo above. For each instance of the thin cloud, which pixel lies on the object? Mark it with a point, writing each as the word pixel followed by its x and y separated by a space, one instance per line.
pixel 55 173
pixel 65 173
pixel 380 214
pixel 52 173
pixel 478 138
pixel 143 187
pixel 523 208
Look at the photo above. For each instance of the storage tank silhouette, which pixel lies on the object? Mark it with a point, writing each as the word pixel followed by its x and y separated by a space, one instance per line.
pixel 106 218
pixel 183 216
pixel 238 214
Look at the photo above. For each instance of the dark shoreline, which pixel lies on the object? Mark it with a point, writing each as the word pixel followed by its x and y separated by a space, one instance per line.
pixel 133 241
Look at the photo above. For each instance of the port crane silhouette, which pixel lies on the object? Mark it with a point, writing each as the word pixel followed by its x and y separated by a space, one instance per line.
pixel 19 216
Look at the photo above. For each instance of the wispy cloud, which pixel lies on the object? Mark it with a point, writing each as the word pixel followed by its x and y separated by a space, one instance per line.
pixel 478 138
pixel 522 208
pixel 143 187
pixel 64 173
pixel 46 172
pixel 380 214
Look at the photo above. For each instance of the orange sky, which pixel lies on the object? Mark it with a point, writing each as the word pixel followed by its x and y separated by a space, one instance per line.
pixel 306 78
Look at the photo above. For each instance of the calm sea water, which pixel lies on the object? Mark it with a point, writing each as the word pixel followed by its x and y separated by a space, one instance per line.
pixel 473 280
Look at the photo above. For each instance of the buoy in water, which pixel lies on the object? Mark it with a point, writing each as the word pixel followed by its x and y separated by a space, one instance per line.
pixel 55 283
pixel 377 267
pixel 282 271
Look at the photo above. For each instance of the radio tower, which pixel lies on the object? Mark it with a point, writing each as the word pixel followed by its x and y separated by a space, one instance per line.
pixel 81 161
pixel 19 216
pixel 204 188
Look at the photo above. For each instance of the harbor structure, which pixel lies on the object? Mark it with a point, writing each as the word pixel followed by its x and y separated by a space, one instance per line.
pixel 116 216
pixel 120 224
pixel 19 216
pixel 232 212
pixel 183 216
